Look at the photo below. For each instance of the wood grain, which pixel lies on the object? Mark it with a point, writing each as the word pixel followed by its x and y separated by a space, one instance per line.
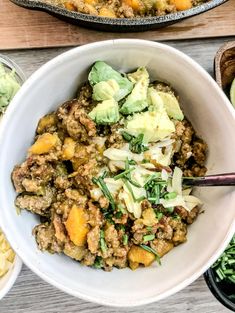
pixel 31 295
pixel 23 28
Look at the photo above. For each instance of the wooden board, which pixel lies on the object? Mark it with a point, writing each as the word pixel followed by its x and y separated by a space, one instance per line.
pixel 23 28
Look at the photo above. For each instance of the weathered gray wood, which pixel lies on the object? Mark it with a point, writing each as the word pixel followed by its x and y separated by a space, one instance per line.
pixel 31 295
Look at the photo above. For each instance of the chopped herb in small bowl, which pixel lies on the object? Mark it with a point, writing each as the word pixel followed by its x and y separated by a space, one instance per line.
pixel 220 278
pixel 11 78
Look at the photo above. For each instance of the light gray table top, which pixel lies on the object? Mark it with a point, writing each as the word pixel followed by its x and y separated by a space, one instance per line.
pixel 32 295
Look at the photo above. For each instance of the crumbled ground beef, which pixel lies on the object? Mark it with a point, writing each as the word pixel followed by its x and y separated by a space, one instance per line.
pixel 123 8
pixel 52 183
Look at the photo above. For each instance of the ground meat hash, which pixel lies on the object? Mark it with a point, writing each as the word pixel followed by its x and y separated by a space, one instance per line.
pixel 53 183
pixel 126 8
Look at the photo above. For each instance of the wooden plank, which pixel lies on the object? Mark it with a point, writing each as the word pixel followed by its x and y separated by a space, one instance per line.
pixel 23 28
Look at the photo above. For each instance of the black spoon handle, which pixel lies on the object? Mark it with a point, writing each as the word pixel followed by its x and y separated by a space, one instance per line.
pixel 227 179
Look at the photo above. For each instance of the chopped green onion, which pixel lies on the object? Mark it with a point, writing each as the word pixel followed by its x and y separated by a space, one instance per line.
pixel 176 217
pixel 130 189
pixel 159 215
pixel 101 184
pixel 170 195
pixel 170 209
pixel 148 238
pixel 126 136
pixel 103 245
pixel 140 199
pixel 134 183
pixel 125 239
pixel 98 262
pixel 224 267
pixel 123 174
pixel 149 228
pixel 118 215
pixel 151 250
pixel 132 162
pixel 135 143
pixel 121 209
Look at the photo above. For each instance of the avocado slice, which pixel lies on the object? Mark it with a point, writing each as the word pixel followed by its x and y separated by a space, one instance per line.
pixel 153 125
pixel 172 105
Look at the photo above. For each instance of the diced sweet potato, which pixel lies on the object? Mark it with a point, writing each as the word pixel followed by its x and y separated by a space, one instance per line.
pixel 92 2
pixel 44 143
pixel 182 4
pixel 46 122
pixel 133 265
pixel 139 255
pixel 106 12
pixel 68 148
pixel 76 226
pixel 70 6
pixel 136 5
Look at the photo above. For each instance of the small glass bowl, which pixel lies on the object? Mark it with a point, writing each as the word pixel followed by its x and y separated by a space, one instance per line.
pixel 11 65
pixel 7 281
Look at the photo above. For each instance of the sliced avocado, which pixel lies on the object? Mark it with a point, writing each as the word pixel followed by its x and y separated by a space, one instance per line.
pixel 105 90
pixel 172 105
pixel 137 100
pixel 155 101
pixel 106 112
pixel 101 71
pixel 154 125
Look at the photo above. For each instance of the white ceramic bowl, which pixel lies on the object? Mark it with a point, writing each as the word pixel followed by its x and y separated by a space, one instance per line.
pixel 214 119
pixel 7 281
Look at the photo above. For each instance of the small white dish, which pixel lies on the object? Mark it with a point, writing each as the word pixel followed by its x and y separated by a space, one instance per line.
pixel 8 280
pixel 213 118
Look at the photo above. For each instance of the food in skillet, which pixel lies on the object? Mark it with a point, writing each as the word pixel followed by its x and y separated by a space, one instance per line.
pixel 105 172
pixel 127 8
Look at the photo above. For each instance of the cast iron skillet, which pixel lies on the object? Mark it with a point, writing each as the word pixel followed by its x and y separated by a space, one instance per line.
pixel 118 24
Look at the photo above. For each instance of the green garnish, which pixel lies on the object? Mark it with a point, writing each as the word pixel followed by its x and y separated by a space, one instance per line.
pixel 151 250
pixel 159 215
pixel 176 216
pixel 135 143
pixel 148 238
pixel 126 136
pixel 132 162
pixel 118 215
pixel 123 174
pixel 132 193
pixel 149 228
pixel 170 209
pixel 170 195
pixel 101 184
pixel 98 262
pixel 224 267
pixel 125 239
pixel 130 189
pixel 121 209
pixel 103 245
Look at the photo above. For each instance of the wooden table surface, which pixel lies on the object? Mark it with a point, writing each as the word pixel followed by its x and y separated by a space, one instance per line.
pixel 32 295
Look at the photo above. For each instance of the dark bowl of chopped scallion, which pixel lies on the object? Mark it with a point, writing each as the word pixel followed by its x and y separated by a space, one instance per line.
pixel 220 278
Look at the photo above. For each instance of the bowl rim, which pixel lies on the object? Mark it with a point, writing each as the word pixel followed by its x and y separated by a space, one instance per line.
pixel 15 271
pixel 31 81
